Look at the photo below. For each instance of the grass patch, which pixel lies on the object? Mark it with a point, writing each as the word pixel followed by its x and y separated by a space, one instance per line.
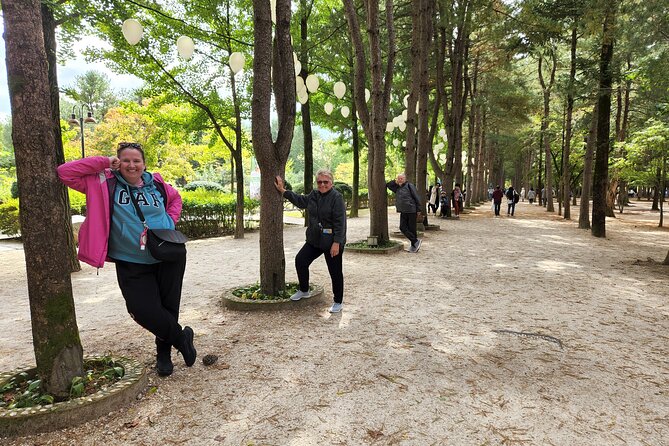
pixel 362 244
pixel 253 293
pixel 25 390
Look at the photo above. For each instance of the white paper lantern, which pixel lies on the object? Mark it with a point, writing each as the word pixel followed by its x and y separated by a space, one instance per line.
pixel 272 7
pixel 396 142
pixel 185 47
pixel 132 31
pixel 312 83
pixel 397 120
pixel 345 111
pixel 417 106
pixel 303 97
pixel 390 127
pixel 368 95
pixel 442 133
pixel 406 101
pixel 298 68
pixel 405 113
pixel 328 108
pixel 404 143
pixel 339 89
pixel 402 126
pixel 299 84
pixel 236 62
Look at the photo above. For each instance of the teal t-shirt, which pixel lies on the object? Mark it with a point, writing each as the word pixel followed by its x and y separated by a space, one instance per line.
pixel 126 227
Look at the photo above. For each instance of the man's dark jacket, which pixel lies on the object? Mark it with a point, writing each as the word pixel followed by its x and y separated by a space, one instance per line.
pixel 406 197
pixel 328 209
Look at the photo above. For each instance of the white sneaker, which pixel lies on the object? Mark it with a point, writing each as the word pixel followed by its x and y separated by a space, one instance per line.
pixel 336 308
pixel 300 295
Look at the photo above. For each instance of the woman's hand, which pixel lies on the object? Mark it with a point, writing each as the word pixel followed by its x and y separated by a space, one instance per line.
pixel 334 250
pixel 114 162
pixel 278 183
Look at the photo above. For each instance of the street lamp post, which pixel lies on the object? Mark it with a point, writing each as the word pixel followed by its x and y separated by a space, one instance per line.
pixel 80 122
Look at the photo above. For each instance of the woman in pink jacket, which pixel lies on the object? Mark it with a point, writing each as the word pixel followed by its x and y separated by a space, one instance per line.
pixel 113 232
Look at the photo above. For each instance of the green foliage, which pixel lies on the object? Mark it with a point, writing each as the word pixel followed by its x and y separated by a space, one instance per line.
pixel 344 189
pixel 22 390
pixel 206 185
pixel 211 214
pixel 253 292
pixel 9 217
pixel 15 189
pixel 77 202
pixel 100 374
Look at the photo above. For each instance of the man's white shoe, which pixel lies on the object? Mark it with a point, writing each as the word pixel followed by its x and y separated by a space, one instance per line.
pixel 300 295
pixel 336 308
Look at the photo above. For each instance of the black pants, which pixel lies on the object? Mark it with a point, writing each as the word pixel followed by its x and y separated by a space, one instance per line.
pixel 152 296
pixel 408 226
pixel 434 207
pixel 511 209
pixel 497 206
pixel 305 258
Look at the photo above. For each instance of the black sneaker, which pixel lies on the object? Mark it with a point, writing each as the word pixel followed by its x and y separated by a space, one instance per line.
pixel 186 347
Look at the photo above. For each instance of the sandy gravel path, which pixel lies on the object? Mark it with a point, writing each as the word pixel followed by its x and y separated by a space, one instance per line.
pixel 414 359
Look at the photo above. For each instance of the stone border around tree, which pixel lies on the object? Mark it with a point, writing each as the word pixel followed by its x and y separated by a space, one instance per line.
pixel 39 419
pixel 398 247
pixel 233 302
pixel 432 227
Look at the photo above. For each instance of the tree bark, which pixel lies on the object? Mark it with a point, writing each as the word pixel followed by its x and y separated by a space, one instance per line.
pixel 275 58
pixel 374 120
pixel 49 29
pixel 305 108
pixel 43 212
pixel 424 142
pixel 600 178
pixel 566 171
pixel 544 128
pixel 591 142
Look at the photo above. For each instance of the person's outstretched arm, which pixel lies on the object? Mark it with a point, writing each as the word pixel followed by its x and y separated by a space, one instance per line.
pixel 298 200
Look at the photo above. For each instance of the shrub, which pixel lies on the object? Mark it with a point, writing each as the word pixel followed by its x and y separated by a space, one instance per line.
pixel 77 202
pixel 9 217
pixel 210 214
pixel 344 189
pixel 206 185
pixel 15 190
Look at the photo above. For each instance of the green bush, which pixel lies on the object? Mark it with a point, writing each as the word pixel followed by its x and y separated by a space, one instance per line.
pixel 206 185
pixel 15 190
pixel 77 202
pixel 344 189
pixel 9 217
pixel 211 214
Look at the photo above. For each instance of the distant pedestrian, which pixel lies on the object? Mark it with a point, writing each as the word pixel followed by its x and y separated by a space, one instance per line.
pixel 512 198
pixel 457 200
pixel 435 195
pixel 497 196
pixel 522 194
pixel 530 195
pixel 407 204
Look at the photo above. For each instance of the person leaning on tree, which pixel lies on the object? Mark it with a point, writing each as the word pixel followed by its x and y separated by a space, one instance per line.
pixel 113 232
pixel 407 204
pixel 326 234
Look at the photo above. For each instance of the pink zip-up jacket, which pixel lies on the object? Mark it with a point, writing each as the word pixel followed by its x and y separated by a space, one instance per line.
pixel 89 176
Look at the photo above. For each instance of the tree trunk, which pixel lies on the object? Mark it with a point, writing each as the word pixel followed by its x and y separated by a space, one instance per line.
pixel 374 120
pixel 355 200
pixel 305 108
pixel 49 30
pixel 548 191
pixel 600 179
pixel 43 212
pixel 566 171
pixel 275 58
pixel 591 142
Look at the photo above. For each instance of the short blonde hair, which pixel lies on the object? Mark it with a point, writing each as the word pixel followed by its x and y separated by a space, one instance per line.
pixel 325 173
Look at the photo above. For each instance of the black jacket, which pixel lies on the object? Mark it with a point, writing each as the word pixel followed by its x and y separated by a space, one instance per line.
pixel 406 197
pixel 327 209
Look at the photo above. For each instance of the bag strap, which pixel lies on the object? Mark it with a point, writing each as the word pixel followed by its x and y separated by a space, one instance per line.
pixel 140 214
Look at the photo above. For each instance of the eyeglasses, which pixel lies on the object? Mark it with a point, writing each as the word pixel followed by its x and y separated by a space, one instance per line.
pixel 131 145
pixel 323 182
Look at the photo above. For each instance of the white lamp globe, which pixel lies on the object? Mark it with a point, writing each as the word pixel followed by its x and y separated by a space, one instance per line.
pixel 402 126
pixel 303 97
pixel 236 62
pixel 185 47
pixel 339 89
pixel 299 84
pixel 390 127
pixel 312 83
pixel 368 95
pixel 328 108
pixel 345 111
pixel 406 101
pixel 298 67
pixel 132 31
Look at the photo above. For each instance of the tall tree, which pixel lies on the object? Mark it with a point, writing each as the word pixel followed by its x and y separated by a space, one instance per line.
pixel 600 178
pixel 56 342
pixel 566 171
pixel 374 119
pixel 272 65
pixel 546 88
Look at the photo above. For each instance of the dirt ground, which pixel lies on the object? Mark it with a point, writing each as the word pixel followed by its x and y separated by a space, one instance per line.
pixel 421 354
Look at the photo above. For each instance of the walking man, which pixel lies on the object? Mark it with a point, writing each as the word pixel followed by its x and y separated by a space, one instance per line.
pixel 497 196
pixel 407 204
